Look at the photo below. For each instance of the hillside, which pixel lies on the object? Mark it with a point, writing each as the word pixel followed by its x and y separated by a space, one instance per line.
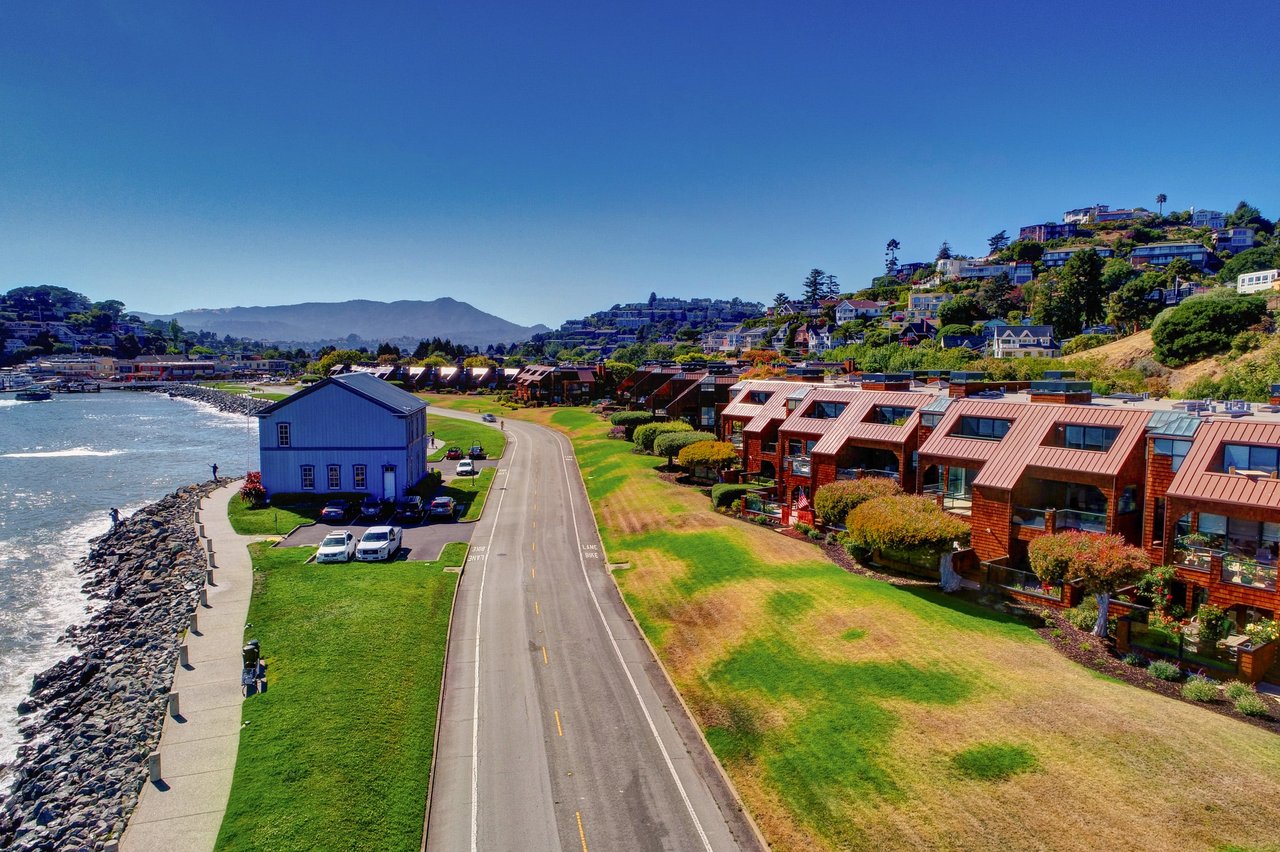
pixel 315 322
pixel 1127 351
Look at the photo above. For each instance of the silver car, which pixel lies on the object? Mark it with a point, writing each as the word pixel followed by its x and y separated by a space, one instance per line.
pixel 378 544
pixel 338 546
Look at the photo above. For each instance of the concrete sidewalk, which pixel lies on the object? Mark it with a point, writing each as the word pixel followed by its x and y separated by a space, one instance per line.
pixel 183 811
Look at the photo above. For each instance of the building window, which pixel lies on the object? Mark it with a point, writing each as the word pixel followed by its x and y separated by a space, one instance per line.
pixel 825 409
pixel 985 428
pixel 335 477
pixel 1177 450
pixel 1248 457
pixel 708 415
pixel 282 435
pixel 798 447
pixel 359 477
pixel 894 415
pixel 1128 501
pixel 1096 438
pixel 308 477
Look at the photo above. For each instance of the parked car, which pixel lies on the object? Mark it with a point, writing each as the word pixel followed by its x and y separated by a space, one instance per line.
pixel 410 509
pixel 371 507
pixel 488 418
pixel 476 452
pixel 466 467
pixel 335 510
pixel 443 507
pixel 378 544
pixel 338 546
pixel 453 453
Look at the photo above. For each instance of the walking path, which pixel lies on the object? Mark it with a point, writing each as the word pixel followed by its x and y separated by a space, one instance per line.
pixel 183 810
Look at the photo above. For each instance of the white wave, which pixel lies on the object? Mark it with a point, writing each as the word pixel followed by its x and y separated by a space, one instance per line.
pixel 59 454
pixel 10 403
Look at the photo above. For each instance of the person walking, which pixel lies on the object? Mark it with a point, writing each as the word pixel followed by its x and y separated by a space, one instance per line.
pixel 215 472
pixel 115 518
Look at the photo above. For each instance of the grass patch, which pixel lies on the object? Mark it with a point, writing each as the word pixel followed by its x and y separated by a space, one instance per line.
pixel 452 432
pixel 994 761
pixel 340 745
pixel 272 520
pixel 472 493
pixel 836 702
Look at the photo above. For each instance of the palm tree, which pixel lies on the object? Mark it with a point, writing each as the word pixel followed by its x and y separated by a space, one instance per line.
pixel 1161 199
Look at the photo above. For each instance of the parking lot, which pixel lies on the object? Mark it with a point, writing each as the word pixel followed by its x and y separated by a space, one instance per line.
pixel 421 541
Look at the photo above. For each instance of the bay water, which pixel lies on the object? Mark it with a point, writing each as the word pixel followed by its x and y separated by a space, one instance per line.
pixel 63 465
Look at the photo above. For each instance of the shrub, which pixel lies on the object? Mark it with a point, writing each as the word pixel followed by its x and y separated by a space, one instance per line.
pixel 1084 616
pixel 1203 326
pixel 1101 563
pixel 1132 659
pixel 1164 670
pixel 644 435
pixel 1213 623
pixel 1262 631
pixel 804 529
pixel 253 492
pixel 1235 690
pixel 629 420
pixel 308 379
pixel 670 444
pixel 618 432
pixel 903 523
pixel 716 455
pixel 1199 689
pixel 1252 705
pixel 833 502
pixel 725 493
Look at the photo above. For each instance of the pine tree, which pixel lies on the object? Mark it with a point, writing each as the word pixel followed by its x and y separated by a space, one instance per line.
pixel 944 251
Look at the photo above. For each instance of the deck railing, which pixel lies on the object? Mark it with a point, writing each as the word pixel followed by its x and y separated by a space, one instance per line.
pixel 1243 571
pixel 956 502
pixel 800 465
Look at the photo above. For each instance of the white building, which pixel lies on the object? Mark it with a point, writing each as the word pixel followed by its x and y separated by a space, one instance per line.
pixel 852 309
pixel 1025 341
pixel 1258 282
pixel 1208 219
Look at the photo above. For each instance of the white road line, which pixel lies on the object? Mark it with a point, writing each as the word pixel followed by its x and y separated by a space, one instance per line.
pixel 582 562
pixel 475 695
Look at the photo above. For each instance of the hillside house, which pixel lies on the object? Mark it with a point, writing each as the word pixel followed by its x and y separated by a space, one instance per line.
pixel 352 432
pixel 1258 282
pixel 1163 254
pixel 1024 341
pixel 849 310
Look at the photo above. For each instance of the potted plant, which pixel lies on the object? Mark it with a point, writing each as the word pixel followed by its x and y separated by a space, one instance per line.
pixel 1213 624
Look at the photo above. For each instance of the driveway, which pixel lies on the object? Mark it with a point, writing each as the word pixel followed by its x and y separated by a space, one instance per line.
pixel 421 541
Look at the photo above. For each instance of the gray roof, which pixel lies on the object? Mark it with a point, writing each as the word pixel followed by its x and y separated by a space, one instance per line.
pixel 366 385
pixel 938 403
pixel 1178 424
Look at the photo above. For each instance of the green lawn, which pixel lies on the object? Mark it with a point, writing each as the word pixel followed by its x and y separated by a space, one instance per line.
pixel 272 520
pixel 337 753
pixel 852 714
pixel 469 491
pixel 475 404
pixel 246 390
pixel 452 432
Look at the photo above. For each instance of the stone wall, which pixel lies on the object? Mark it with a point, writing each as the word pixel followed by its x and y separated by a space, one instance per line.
pixel 91 720
pixel 221 400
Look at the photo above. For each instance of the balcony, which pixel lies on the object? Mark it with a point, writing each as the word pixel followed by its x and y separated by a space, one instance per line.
pixel 769 447
pixel 1242 571
pixel 1194 554
pixel 800 465
pixel 736 440
pixel 955 502
pixel 1059 520
pixel 863 473
pixel 1000 573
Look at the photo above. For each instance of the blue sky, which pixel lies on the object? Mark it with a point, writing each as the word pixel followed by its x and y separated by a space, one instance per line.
pixel 544 160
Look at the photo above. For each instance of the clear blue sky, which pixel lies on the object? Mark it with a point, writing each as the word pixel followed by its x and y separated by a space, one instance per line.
pixel 544 160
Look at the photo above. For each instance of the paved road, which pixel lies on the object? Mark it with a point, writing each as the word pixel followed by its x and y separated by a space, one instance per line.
pixel 558 730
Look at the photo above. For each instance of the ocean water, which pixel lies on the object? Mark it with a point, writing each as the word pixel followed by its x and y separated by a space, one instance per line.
pixel 63 465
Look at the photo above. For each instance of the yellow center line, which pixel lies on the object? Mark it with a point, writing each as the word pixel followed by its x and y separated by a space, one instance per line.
pixel 545 661
pixel 533 572
pixel 536 610
pixel 535 525
pixel 559 730
pixel 582 835
pixel 533 546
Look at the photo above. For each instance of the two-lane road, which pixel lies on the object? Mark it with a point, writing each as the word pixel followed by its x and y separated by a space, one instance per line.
pixel 558 730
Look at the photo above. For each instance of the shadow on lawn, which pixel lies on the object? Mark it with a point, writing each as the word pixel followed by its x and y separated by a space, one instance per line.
pixel 966 603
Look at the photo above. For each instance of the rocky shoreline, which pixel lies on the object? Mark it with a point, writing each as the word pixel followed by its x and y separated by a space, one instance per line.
pixel 221 400
pixel 91 720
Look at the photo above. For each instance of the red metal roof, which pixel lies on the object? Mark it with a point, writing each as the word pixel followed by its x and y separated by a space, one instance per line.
pixel 1005 461
pixel 834 432
pixel 1199 477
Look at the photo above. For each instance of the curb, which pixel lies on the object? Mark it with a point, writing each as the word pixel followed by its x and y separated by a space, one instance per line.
pixel 444 669
pixel 762 844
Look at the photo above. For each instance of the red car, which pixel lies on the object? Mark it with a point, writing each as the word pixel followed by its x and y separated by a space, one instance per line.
pixel 453 453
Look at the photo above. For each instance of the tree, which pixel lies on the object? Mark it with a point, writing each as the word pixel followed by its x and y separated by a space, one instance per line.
pixel 765 371
pixel 479 361
pixel 831 289
pixel 618 370
pixel 710 455
pixel 997 242
pixel 962 310
pixel 1161 198
pixel 780 299
pixel 1100 563
pixel 670 444
pixel 944 251
pixel 814 286
pixel 834 501
pixel 996 296
pixel 903 524
pixel 1129 306
pixel 1203 325
pixel 387 349
pixel 1081 294
pixel 653 298
pixel 891 256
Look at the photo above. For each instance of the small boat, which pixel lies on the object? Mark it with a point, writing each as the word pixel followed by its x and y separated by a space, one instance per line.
pixel 33 395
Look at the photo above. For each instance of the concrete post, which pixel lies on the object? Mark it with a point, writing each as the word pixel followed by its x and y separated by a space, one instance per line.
pixel 200 531
pixel 209 560
pixel 184 655
pixel 204 597
pixel 198 521
pixel 153 766
pixel 208 543
pixel 208 578
pixel 173 705
pixel 195 622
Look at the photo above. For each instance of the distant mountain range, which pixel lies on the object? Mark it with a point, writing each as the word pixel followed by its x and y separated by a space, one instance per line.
pixel 369 321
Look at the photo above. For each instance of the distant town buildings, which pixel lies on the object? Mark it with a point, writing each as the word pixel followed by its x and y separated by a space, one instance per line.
pixel 1258 282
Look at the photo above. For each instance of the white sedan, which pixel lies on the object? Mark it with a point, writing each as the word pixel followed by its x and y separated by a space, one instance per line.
pixel 378 544
pixel 338 546
pixel 466 467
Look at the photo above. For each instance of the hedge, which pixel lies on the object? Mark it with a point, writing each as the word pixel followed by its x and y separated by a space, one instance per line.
pixel 903 523
pixel 834 501
pixel 716 455
pixel 630 420
pixel 671 443
pixel 645 435
pixel 723 495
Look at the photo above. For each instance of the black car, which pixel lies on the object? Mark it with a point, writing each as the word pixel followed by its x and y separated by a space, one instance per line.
pixel 410 509
pixel 335 510
pixel 476 452
pixel 371 507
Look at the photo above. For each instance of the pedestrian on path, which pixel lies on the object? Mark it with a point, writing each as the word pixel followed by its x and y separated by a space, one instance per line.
pixel 503 424
pixel 115 518
pixel 215 472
